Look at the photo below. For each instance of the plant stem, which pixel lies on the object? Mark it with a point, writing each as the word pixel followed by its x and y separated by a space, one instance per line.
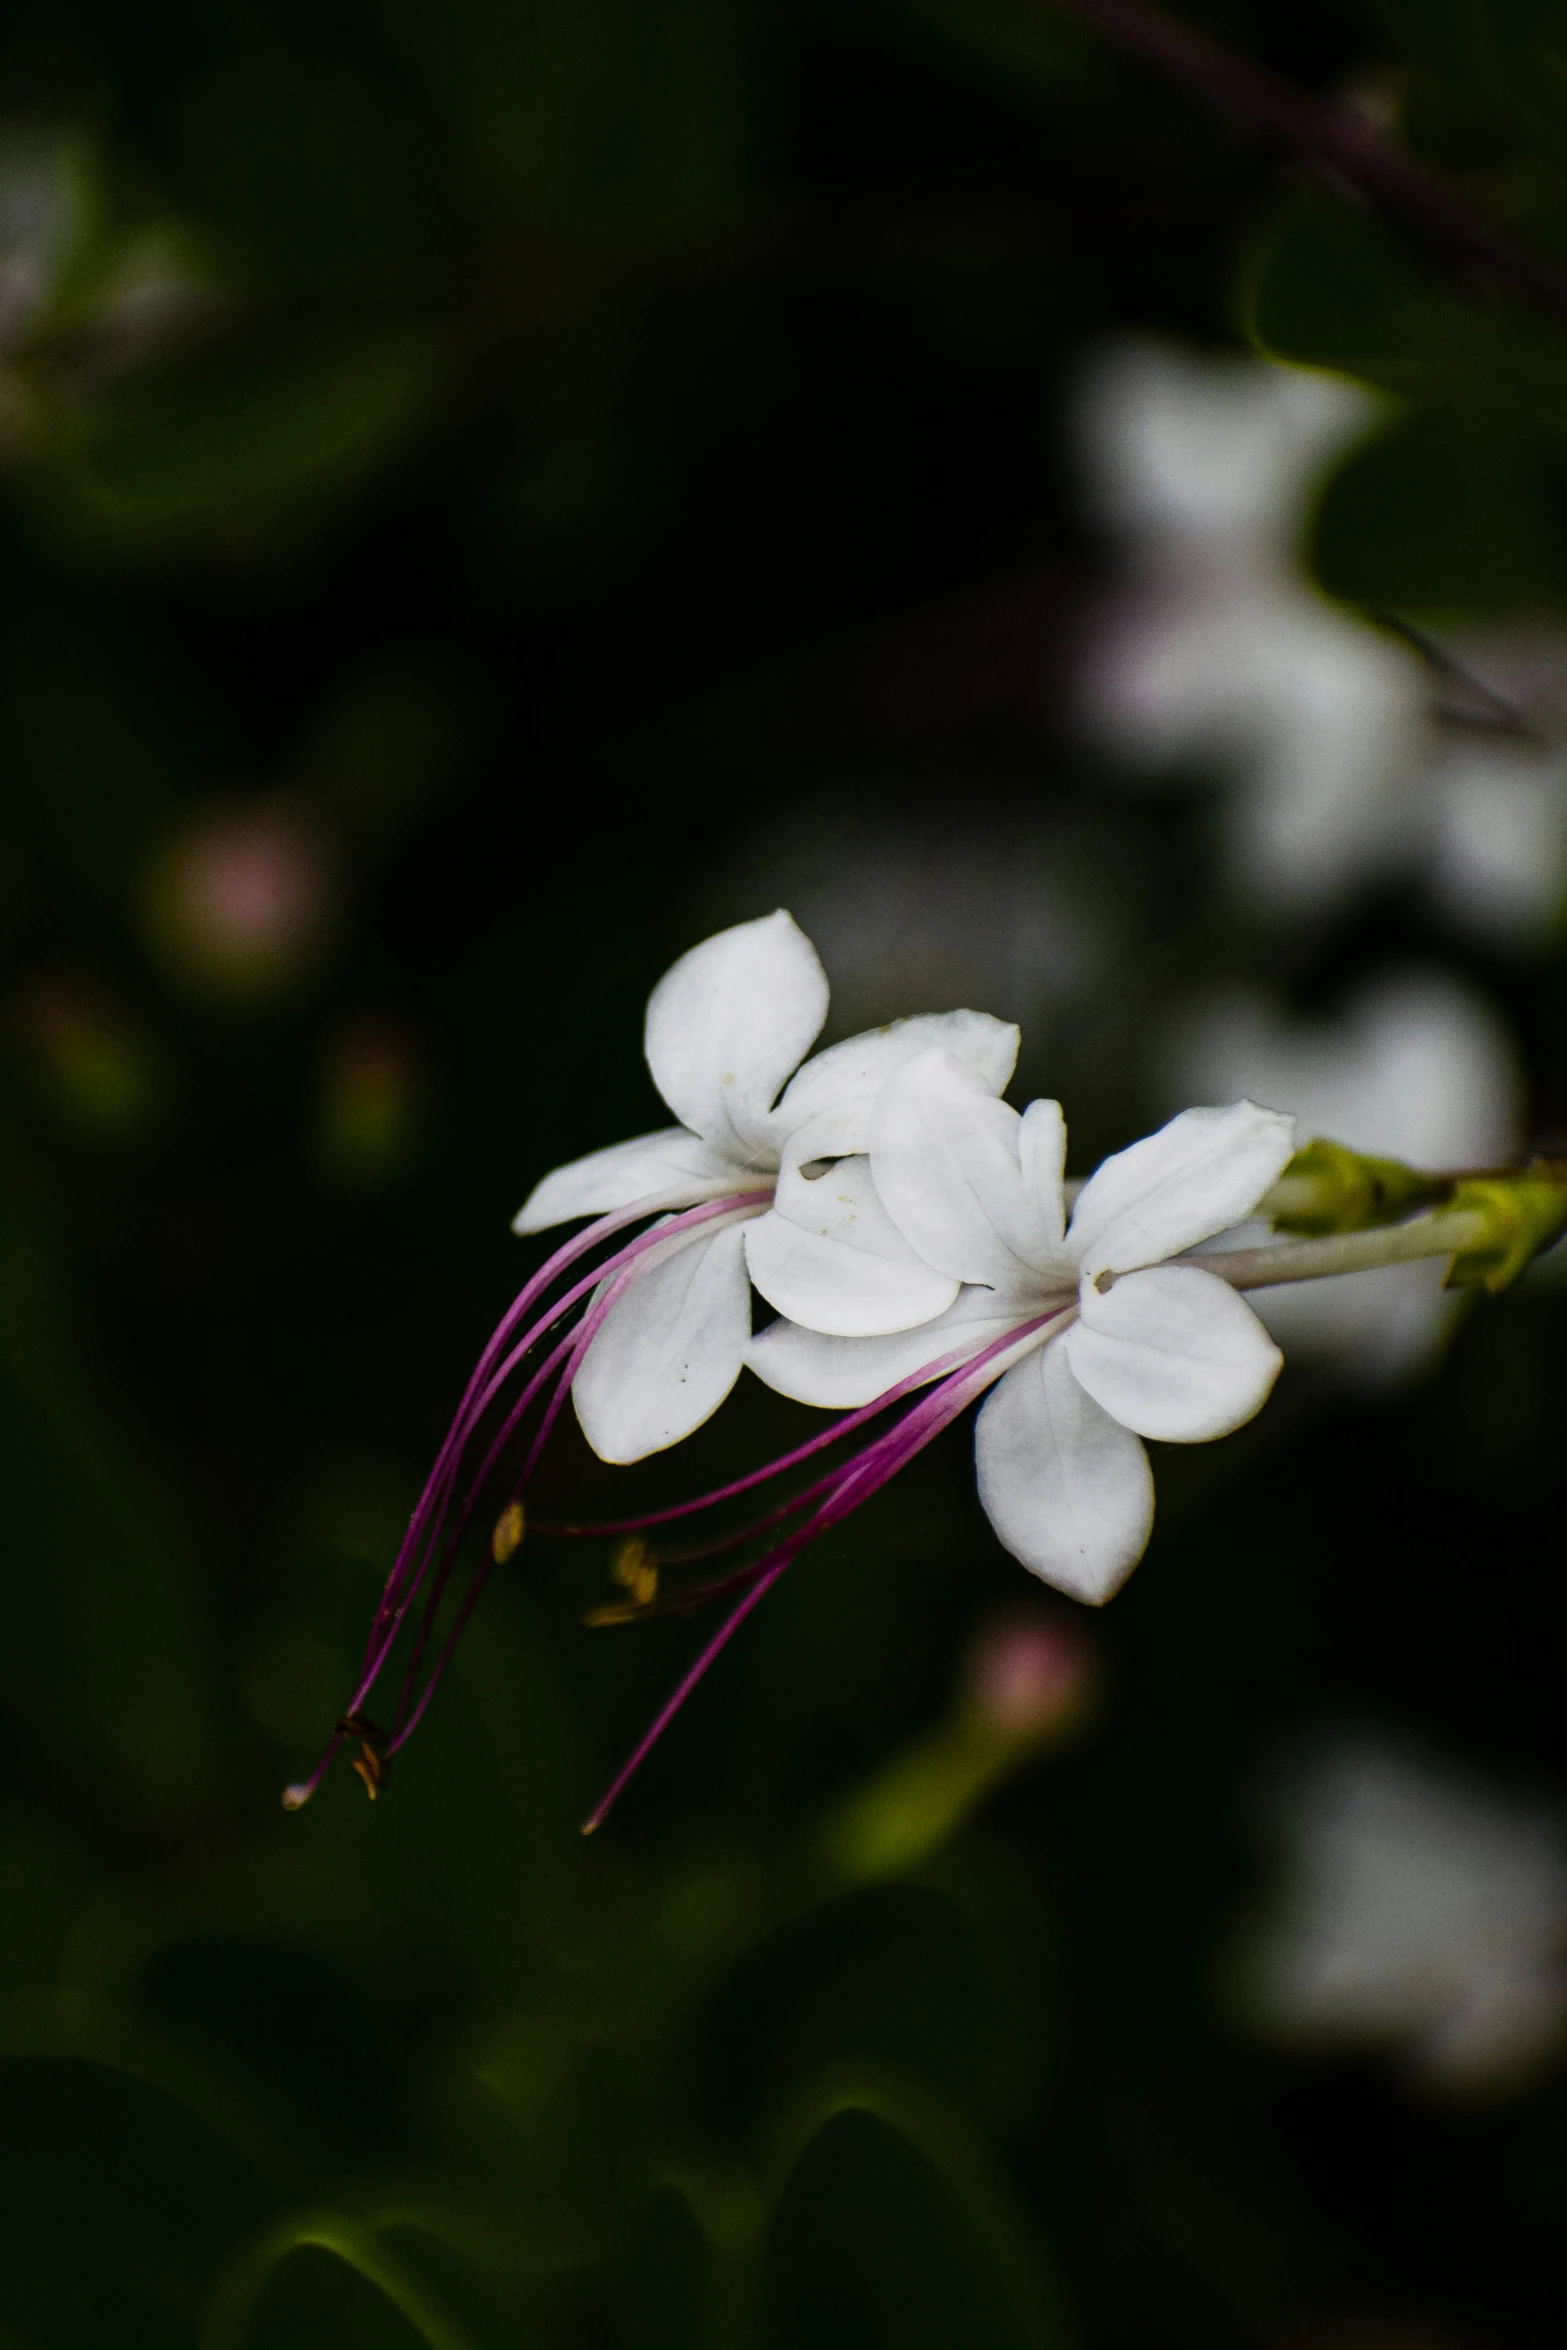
pixel 1334 135
pixel 1447 1233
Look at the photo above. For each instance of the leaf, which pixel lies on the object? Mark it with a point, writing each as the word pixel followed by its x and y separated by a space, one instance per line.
pixel 286 2030
pixel 255 435
pixel 116 2206
pixel 1326 286
pixel 665 2277
pixel 878 2243
pixel 1461 504
pixel 325 2284
pixel 1447 513
pixel 895 1975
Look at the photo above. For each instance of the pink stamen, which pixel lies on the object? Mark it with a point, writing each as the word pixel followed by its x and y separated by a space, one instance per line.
pixel 853 1484
pixel 422 1545
pixel 618 1274
pixel 569 1354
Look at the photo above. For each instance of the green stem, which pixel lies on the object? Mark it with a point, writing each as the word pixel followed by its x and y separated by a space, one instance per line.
pixel 1451 1232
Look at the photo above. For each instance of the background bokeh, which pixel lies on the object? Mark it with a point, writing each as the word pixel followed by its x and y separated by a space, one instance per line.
pixel 489 494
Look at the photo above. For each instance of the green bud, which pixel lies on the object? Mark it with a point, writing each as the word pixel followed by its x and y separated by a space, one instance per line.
pixel 1524 1213
pixel 1328 1188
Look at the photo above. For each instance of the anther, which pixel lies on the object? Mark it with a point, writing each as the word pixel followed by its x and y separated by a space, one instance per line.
pixel 510 1527
pixel 635 1569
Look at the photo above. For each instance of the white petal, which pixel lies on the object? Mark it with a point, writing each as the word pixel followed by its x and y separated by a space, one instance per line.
pixel 668 1169
pixel 947 1159
pixel 1206 1169
pixel 1173 1353
pixel 855 1286
pixel 728 1022
pixel 847 1077
pixel 1067 1489
pixel 839 1374
pixel 829 1255
pixel 668 1352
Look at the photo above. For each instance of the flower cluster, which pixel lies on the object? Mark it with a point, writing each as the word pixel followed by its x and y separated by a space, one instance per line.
pixel 1355 752
pixel 910 1231
pixel 922 1251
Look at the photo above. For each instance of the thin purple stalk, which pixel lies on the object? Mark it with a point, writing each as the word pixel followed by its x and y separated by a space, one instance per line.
pixel 853 1485
pixel 787 1460
pixel 617 1272
pixel 562 1359
pixel 444 1468
pixel 418 1549
pixel 567 1356
pixel 424 1528
pixel 672 1705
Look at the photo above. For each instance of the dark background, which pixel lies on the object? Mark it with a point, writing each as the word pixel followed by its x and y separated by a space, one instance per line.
pixel 583 455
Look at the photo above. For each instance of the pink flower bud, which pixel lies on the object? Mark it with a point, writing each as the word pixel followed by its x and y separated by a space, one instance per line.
pixel 1029 1675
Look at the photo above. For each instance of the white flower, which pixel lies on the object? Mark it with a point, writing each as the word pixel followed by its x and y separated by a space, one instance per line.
pixel 1136 1346
pixel 725 1027
pixel 1419 1910
pixel 1218 650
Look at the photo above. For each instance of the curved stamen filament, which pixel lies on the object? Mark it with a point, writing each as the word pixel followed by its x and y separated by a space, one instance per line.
pixel 429 1543
pixel 852 1484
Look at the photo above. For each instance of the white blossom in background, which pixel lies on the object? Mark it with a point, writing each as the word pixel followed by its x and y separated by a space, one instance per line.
pixel 726 1026
pixel 1419 1911
pixel 90 296
pixel 1216 651
pixel 1418 1066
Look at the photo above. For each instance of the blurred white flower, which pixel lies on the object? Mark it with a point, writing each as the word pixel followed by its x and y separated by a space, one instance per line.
pixel 1419 1067
pixel 1216 650
pixel 85 298
pixel 44 207
pixel 1419 1912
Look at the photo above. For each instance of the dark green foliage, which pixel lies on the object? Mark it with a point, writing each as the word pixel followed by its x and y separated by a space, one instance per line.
pixel 875 2242
pixel 118 2207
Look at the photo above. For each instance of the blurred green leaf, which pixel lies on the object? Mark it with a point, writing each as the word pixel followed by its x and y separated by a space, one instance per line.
pixel 1461 504
pixel 289 2034
pixel 1447 513
pixel 116 2206
pixel 665 2277
pixel 1328 286
pixel 325 2285
pixel 878 2243
pixel 223 446
pixel 895 1975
